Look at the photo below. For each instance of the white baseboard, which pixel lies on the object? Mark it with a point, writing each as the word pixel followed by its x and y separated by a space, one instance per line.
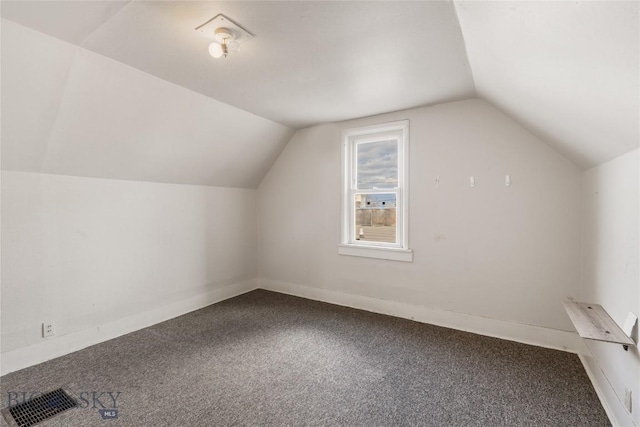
pixel 527 334
pixel 50 349
pixel 544 337
pixel 612 405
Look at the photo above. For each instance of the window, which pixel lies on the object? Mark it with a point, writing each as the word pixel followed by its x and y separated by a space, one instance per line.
pixel 375 192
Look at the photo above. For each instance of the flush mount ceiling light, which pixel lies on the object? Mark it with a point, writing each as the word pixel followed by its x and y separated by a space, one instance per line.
pixel 228 35
pixel 226 42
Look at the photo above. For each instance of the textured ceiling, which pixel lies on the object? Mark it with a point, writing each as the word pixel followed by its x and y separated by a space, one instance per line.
pixel 127 90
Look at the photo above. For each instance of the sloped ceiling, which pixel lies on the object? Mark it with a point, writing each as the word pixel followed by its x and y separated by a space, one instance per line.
pixel 310 62
pixel 127 90
pixel 567 70
pixel 70 111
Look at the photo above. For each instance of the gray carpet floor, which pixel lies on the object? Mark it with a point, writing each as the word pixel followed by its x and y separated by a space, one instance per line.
pixel 265 358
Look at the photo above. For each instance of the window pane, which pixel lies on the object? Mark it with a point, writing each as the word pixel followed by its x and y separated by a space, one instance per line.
pixel 377 164
pixel 375 217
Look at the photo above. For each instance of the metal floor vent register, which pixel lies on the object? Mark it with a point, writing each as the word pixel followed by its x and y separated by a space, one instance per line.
pixel 38 409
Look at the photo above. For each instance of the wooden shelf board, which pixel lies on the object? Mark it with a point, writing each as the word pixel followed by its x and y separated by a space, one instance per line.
pixel 594 323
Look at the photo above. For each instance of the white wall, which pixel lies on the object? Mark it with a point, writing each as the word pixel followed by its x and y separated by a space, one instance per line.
pixel 103 257
pixel 506 253
pixel 610 269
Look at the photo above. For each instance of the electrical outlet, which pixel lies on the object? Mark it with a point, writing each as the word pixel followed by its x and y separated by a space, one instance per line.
pixel 627 399
pixel 48 330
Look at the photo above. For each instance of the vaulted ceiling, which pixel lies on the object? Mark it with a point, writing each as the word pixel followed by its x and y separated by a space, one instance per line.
pixel 567 70
pixel 127 89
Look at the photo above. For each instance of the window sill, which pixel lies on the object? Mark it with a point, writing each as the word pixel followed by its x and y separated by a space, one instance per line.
pixel 391 254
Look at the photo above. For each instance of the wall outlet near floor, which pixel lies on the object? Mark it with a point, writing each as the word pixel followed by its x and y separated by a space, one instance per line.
pixel 627 399
pixel 48 330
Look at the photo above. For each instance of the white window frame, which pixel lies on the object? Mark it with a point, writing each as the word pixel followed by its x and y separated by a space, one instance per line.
pixel 398 251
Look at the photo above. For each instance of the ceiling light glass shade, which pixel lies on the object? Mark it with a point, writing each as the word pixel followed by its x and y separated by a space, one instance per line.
pixel 215 50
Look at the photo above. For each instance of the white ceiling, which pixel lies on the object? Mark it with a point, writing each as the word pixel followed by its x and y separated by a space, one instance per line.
pixel 310 62
pixel 567 70
pixel 131 92
pixel 70 111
